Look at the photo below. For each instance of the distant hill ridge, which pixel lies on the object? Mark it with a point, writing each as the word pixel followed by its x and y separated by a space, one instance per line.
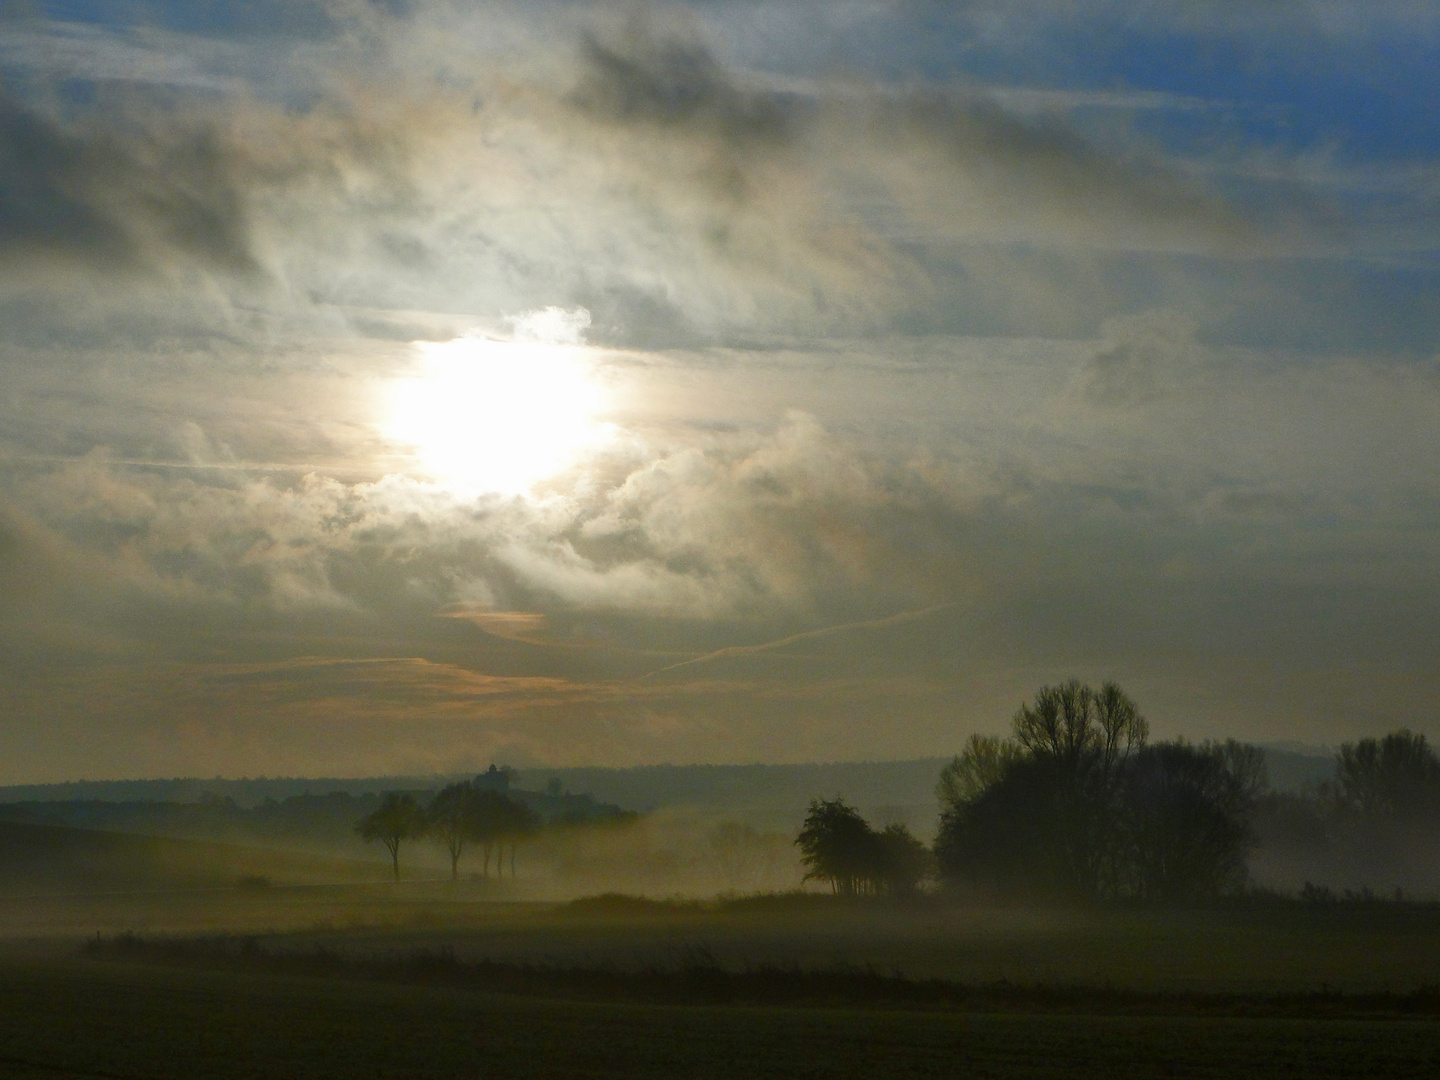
pixel 771 795
pixel 48 859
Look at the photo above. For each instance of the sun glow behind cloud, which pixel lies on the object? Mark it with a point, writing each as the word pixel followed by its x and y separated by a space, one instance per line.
pixel 498 416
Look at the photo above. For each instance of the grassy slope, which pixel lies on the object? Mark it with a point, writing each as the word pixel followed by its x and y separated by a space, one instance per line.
pixel 50 859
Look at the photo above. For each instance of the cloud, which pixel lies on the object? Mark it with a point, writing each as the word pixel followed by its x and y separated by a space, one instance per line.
pixel 672 81
pixel 552 325
pixel 77 50
pixel 995 20
pixel 656 186
pixel 114 202
pixel 737 517
pixel 264 614
pixel 965 166
pixel 32 562
pixel 1141 355
pixel 518 625
pixel 1096 367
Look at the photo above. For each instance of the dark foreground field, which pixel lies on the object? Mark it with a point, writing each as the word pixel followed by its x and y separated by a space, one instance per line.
pixel 89 1018
pixel 357 987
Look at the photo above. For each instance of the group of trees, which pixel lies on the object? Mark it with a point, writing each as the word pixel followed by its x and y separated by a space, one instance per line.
pixel 837 845
pixel 1372 826
pixel 458 817
pixel 1395 778
pixel 1077 803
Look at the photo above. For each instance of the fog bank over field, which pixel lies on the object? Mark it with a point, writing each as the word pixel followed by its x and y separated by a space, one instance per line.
pixel 693 830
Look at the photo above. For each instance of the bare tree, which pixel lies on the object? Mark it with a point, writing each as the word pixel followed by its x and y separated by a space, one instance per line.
pixel 451 820
pixel 1397 776
pixel 514 821
pixel 1082 727
pixel 397 818
pixel 982 762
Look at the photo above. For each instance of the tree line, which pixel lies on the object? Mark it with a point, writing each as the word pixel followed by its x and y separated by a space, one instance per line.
pixel 839 846
pixel 1077 803
pixel 458 817
pixel 1376 822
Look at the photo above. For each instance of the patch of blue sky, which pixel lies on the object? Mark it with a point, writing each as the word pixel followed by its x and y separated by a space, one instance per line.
pixel 1374 99
pixel 1368 95
pixel 1331 306
pixel 211 18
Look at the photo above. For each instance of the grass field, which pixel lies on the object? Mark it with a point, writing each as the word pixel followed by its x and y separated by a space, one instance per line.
pixel 64 1013
pixel 64 1016
pixel 579 989
pixel 1355 949
pixel 54 860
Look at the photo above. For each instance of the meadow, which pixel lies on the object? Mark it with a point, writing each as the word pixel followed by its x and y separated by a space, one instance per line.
pixel 129 956
pixel 433 980
pixel 88 1018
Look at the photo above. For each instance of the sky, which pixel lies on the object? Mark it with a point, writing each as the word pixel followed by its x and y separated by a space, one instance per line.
pixel 404 386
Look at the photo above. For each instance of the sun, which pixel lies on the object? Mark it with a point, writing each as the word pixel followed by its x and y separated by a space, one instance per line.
pixel 497 416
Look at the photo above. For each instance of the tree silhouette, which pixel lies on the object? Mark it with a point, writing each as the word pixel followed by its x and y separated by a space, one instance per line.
pixel 980 764
pixel 1186 818
pixel 467 813
pixel 1087 730
pixel 498 819
pixel 904 862
pixel 1009 838
pixel 1081 738
pixel 1075 804
pixel 1396 777
pixel 397 818
pixel 837 845
pixel 514 821
pixel 453 819
pixel 487 811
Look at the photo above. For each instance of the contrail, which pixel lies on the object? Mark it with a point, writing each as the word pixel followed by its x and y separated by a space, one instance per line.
pixel 867 624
